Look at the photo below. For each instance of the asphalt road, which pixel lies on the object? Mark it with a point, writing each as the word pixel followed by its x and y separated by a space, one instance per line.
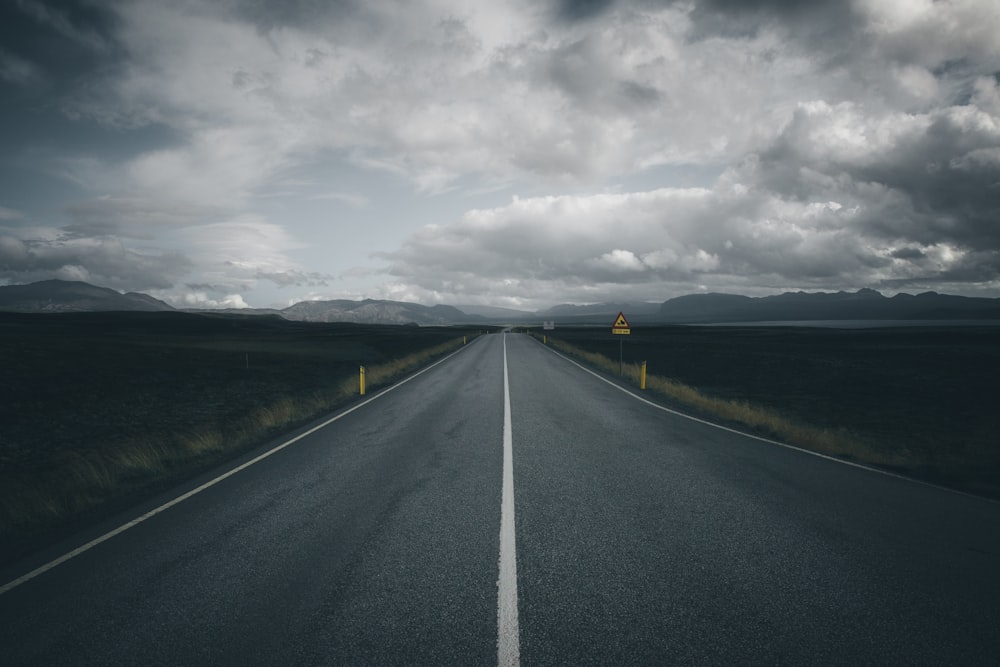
pixel 641 538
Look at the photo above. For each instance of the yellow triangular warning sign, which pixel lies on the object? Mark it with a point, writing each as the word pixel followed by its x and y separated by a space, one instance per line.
pixel 621 325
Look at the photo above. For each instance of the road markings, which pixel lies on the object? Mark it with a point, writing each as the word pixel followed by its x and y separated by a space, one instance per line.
pixel 508 634
pixel 769 441
pixel 179 499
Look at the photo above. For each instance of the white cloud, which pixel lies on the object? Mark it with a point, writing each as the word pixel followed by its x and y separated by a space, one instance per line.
pixel 618 260
pixel 856 141
pixel 933 32
pixel 356 201
pixel 234 252
pixel 438 92
pixel 10 214
pixel 13 251
pixel 127 217
pixel 825 223
pixel 218 167
pixel 198 299
pixel 107 262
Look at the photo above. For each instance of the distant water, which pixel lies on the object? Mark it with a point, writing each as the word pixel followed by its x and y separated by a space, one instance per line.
pixel 857 324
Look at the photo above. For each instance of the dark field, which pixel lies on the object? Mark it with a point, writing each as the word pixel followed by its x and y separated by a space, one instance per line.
pixel 157 395
pixel 922 400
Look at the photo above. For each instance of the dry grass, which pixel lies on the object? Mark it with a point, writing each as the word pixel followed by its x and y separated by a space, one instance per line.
pixel 757 419
pixel 73 481
pixel 918 400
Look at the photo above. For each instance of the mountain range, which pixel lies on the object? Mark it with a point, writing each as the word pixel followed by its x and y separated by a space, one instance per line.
pixel 59 296
pixel 64 296
pixel 865 304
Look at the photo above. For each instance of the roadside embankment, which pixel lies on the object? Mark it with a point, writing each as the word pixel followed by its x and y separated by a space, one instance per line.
pixel 907 401
pixel 102 410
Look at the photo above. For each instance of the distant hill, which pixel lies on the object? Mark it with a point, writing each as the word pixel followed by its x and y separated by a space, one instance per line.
pixel 370 311
pixel 865 304
pixel 243 312
pixel 497 313
pixel 61 296
pixel 568 313
pixel 64 296
pixel 599 312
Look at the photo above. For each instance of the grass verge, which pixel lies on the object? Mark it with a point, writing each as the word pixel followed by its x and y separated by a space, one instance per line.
pixel 969 468
pixel 66 484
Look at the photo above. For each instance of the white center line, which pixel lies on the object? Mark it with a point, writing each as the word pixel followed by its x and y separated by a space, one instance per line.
pixel 508 635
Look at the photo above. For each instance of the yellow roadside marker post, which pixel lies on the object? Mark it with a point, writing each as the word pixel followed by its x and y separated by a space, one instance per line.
pixel 362 380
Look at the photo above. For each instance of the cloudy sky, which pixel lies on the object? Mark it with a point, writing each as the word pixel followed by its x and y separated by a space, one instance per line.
pixel 513 153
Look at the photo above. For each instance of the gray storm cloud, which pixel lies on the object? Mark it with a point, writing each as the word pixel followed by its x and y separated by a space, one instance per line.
pixel 839 198
pixel 886 174
pixel 105 262
pixel 858 144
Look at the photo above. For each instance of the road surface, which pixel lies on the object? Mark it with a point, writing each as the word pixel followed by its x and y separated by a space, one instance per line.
pixel 636 537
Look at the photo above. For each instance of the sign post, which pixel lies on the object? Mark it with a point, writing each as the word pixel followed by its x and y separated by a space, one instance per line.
pixel 621 327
